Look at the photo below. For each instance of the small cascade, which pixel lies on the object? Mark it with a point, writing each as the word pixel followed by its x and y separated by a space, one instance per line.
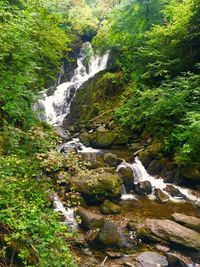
pixel 78 146
pixel 54 108
pixel 141 175
pixel 67 213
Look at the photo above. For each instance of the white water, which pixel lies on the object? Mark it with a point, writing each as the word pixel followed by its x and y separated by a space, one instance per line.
pixel 55 107
pixel 78 146
pixel 141 175
pixel 67 213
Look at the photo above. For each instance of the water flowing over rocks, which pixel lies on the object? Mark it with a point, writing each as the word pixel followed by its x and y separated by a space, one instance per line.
pixel 169 232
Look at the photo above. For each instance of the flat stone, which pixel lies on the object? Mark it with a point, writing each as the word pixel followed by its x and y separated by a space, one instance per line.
pixel 169 232
pixel 151 259
pixel 187 221
pixel 89 219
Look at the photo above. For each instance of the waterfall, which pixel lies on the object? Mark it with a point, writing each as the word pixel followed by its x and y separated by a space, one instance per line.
pixel 141 175
pixel 54 108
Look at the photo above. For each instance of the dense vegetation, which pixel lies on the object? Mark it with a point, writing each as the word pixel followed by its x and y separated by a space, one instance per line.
pixel 156 45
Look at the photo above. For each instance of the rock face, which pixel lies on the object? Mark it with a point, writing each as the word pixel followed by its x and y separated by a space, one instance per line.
pixel 169 232
pixel 126 174
pixel 89 220
pixel 187 221
pixel 97 187
pixel 111 159
pixel 174 192
pixel 109 208
pixel 144 188
pixel 161 196
pixel 151 259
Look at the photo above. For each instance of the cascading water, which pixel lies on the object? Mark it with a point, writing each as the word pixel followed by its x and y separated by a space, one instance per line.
pixel 54 108
pixel 141 175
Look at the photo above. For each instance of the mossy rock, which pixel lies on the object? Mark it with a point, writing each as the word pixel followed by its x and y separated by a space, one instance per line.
pixel 109 207
pixel 85 138
pixel 191 172
pixel 97 187
pixel 103 139
pixel 111 159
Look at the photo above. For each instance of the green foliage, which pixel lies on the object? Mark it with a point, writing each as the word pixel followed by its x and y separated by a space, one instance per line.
pixel 30 230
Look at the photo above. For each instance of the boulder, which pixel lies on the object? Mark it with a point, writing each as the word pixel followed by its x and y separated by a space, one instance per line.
pixel 174 192
pixel 154 167
pixel 109 234
pixel 85 139
pixel 169 232
pixel 144 188
pixel 103 139
pixel 97 187
pixel 89 219
pixel 111 159
pixel 151 259
pixel 121 139
pixel 109 208
pixel 161 196
pixel 126 173
pixel 187 221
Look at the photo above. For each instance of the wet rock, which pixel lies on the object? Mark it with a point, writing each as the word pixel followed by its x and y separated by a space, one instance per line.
pixel 169 232
pixel 174 192
pixel 109 234
pixel 85 139
pixel 154 167
pixel 65 134
pixel 109 208
pixel 97 187
pixel 126 174
pixel 101 129
pixel 111 159
pixel 89 219
pixel 113 254
pixel 188 221
pixel 175 261
pixel 144 188
pixel 151 259
pixel 161 196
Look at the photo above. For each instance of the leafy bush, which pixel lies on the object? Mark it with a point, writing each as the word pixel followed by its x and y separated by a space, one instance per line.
pixel 30 230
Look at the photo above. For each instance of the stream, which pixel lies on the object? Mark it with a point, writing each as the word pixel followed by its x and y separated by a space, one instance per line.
pixel 53 109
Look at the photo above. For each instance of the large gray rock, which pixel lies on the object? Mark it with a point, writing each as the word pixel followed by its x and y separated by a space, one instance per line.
pixel 144 188
pixel 97 187
pixel 169 232
pixel 107 236
pixel 187 221
pixel 151 259
pixel 88 219
pixel 109 208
